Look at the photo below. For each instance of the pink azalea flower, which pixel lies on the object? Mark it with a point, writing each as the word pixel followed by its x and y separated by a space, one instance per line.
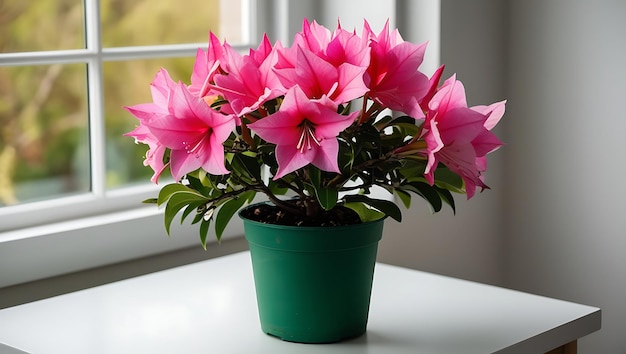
pixel 304 132
pixel 161 87
pixel 206 66
pixel 155 153
pixel 319 78
pixel 325 64
pixel 433 86
pixel 459 136
pixel 263 51
pixel 250 80
pixel 494 113
pixel 393 77
pixel 313 37
pixel 194 132
pixel 186 125
pixel 336 48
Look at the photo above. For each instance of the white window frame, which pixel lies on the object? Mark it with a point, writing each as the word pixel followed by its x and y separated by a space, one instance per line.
pixel 51 230
pixel 99 200
pixel 49 238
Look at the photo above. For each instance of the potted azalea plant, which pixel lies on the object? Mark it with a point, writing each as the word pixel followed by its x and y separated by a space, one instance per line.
pixel 315 128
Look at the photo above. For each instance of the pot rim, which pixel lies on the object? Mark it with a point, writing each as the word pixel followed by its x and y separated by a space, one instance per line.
pixel 292 227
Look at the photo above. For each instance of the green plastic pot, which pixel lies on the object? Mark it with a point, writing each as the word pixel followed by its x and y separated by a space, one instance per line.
pixel 313 284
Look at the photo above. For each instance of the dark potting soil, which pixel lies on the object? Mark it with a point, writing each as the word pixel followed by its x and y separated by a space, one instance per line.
pixel 271 214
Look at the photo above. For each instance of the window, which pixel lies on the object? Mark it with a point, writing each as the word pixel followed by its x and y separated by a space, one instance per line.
pixel 67 68
pixel 70 184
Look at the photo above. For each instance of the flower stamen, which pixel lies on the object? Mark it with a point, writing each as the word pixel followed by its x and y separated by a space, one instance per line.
pixel 194 148
pixel 306 136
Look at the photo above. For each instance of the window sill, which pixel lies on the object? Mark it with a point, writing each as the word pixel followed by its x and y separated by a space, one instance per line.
pixel 63 284
pixel 47 251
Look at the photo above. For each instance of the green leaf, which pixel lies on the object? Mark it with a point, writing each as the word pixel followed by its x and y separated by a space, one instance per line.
pixel 276 188
pixel 166 192
pixel 345 158
pixel 444 178
pixel 228 157
pixel 202 181
pixel 428 192
pixel 205 179
pixel 315 175
pixel 369 136
pixel 404 119
pixel 327 197
pixel 383 122
pixel 171 209
pixel 251 154
pixel 251 196
pixel 408 128
pixel 447 197
pixel 204 231
pixel 365 214
pixel 173 188
pixel 177 202
pixel 387 207
pixel 249 165
pixel 404 197
pixel 413 170
pixel 192 206
pixel 150 201
pixel 198 217
pixel 344 110
pixel 227 211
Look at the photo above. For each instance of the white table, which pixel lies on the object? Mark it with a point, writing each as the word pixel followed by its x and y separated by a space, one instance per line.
pixel 210 307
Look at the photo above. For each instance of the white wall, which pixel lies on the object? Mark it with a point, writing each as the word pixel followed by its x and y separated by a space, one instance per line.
pixel 466 245
pixel 565 159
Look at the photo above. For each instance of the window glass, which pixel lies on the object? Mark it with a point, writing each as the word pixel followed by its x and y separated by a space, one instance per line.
pixel 34 25
pixel 127 83
pixel 44 141
pixel 156 22
pixel 45 151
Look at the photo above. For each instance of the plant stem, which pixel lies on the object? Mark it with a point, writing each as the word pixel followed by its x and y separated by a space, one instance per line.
pixel 362 117
pixel 246 136
pixel 278 202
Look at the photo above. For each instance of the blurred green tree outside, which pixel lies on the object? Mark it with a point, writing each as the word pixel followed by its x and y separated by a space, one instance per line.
pixel 44 137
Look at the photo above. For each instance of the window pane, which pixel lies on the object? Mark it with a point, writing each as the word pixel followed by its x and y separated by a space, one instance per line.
pixel 43 132
pixel 32 25
pixel 154 22
pixel 127 83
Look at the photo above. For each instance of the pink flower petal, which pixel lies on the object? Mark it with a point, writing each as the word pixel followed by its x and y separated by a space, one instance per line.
pixel 326 156
pixel 305 131
pixel 493 112
pixel 291 159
